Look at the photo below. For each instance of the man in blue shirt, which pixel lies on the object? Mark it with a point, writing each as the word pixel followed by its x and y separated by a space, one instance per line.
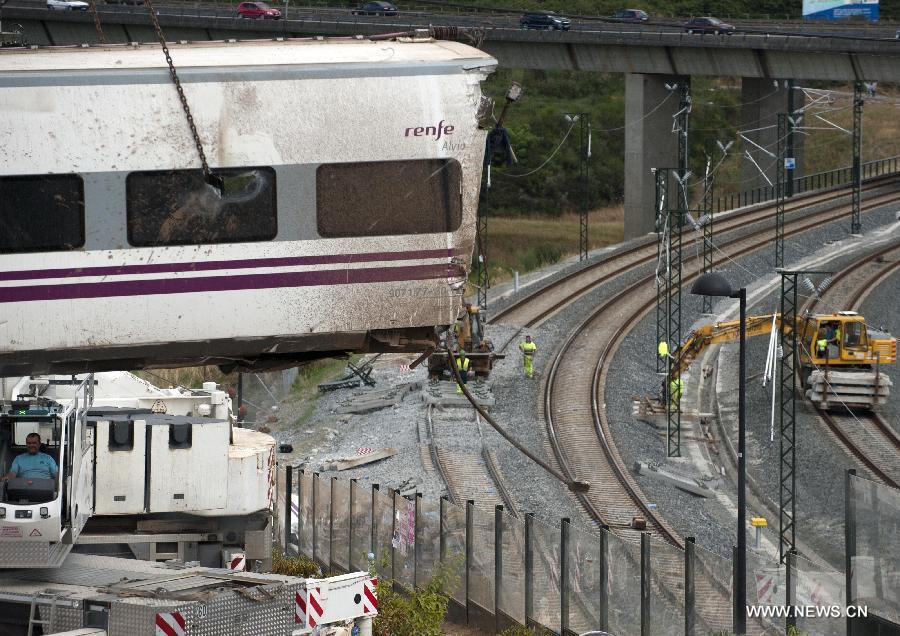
pixel 33 464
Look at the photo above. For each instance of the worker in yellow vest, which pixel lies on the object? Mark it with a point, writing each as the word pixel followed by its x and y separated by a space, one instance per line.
pixel 528 348
pixel 462 365
pixel 676 388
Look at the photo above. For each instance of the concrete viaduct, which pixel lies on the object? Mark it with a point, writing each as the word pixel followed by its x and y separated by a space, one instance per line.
pixel 651 58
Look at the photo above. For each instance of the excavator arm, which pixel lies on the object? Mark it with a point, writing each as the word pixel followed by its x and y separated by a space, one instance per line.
pixel 718 333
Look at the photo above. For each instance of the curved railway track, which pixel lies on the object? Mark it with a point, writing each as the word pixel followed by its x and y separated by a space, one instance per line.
pixel 576 421
pixel 535 308
pixel 864 434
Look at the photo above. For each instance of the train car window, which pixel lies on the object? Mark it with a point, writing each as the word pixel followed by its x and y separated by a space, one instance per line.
pixel 41 213
pixel 178 207
pixel 377 198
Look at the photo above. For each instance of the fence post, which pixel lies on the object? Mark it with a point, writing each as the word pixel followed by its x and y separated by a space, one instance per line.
pixel 417 537
pixel 350 525
pixel 470 532
pixel 849 540
pixel 689 588
pixel 735 618
pixel 604 577
pixel 442 537
pixel 529 566
pixel 394 494
pixel 373 538
pixel 645 584
pixel 564 575
pixel 331 528
pixel 498 564
pixel 315 487
pixel 288 511
pixel 790 589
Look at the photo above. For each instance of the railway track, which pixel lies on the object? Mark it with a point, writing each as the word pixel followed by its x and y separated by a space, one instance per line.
pixel 535 308
pixel 467 473
pixel 579 431
pixel 864 435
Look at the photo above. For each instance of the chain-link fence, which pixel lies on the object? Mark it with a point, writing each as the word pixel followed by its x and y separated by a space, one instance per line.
pixel 501 569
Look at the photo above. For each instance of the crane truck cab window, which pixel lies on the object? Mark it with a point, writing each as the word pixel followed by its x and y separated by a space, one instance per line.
pixel 41 213
pixel 178 207
pixel 380 198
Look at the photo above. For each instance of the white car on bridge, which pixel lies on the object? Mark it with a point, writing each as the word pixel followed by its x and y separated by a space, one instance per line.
pixel 67 5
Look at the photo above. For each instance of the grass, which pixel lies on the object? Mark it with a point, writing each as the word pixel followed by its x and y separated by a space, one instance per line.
pixel 305 389
pixel 526 243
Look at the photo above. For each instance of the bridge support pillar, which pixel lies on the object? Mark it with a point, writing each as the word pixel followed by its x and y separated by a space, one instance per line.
pixel 762 99
pixel 649 143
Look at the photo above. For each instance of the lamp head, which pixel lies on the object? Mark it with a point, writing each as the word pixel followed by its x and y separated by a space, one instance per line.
pixel 711 284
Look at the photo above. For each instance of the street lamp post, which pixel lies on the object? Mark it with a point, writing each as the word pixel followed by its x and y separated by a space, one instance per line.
pixel 712 284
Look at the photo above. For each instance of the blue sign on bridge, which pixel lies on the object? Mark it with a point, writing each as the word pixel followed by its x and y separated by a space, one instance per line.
pixel 840 9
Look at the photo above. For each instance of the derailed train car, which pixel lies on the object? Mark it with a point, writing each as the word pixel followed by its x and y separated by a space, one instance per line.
pixel 343 216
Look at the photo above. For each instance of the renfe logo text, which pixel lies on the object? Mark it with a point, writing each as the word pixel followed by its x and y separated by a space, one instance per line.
pixel 428 131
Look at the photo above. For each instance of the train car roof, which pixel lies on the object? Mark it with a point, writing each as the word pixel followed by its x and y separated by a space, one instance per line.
pixel 245 53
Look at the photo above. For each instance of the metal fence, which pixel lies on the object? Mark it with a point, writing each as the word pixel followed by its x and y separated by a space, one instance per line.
pixel 873 548
pixel 808 183
pixel 503 570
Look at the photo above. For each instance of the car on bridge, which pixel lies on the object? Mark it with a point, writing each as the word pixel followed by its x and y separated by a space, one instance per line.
pixel 707 25
pixel 67 5
pixel 546 20
pixel 257 11
pixel 375 8
pixel 631 15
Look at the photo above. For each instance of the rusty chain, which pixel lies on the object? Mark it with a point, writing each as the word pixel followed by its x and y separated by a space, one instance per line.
pixel 100 37
pixel 181 96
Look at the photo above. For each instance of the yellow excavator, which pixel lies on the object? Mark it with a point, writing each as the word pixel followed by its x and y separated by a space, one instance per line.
pixel 839 355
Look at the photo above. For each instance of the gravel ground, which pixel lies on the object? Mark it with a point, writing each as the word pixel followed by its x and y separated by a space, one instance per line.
pixel 880 308
pixel 327 434
pixel 820 464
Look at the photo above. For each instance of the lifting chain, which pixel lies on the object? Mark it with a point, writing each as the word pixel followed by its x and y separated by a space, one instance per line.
pixel 100 37
pixel 184 104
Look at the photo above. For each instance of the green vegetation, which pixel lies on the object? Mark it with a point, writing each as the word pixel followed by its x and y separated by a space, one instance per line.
pixel 300 566
pixel 414 612
pixel 526 243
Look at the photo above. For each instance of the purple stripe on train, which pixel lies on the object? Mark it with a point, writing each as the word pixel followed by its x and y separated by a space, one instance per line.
pixel 203 266
pixel 227 283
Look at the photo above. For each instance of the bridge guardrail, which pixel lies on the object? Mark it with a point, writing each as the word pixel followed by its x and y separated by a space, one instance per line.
pixel 808 183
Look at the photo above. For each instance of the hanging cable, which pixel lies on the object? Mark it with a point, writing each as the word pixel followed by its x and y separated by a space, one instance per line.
pixel 573 485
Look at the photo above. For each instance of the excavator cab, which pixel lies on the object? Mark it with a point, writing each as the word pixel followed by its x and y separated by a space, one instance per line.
pixel 843 340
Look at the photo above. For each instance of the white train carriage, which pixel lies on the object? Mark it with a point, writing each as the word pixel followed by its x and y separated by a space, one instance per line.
pixel 160 470
pixel 345 219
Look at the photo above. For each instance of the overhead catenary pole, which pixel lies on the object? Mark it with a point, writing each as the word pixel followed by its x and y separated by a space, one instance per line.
pixel 706 212
pixel 585 163
pixel 858 101
pixel 497 143
pixel 662 259
pixel 780 188
pixel 787 506
pixel 481 242
pixel 673 304
pixel 787 480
